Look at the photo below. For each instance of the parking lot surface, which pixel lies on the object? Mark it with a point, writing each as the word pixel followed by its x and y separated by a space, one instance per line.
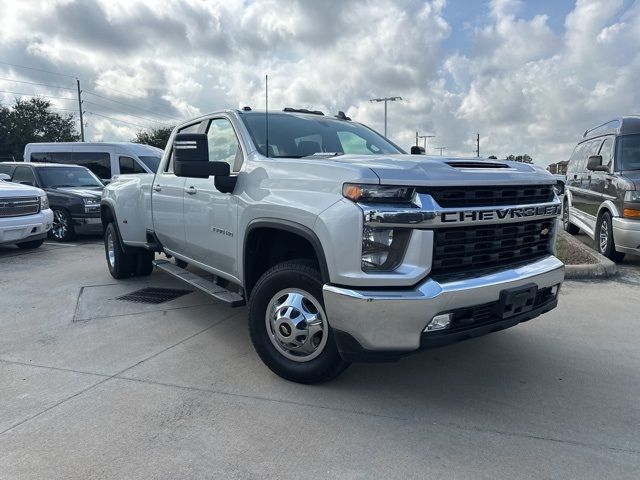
pixel 96 387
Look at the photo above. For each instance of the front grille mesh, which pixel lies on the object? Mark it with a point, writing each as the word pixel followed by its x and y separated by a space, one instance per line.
pixel 469 196
pixel 19 206
pixel 468 249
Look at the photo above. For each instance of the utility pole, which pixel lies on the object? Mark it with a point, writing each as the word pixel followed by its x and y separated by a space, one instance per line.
pixel 385 100
pixel 441 149
pixel 425 139
pixel 478 145
pixel 80 110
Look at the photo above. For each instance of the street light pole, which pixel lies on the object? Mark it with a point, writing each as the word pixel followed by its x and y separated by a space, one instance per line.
pixel 385 100
pixel 441 149
pixel 425 139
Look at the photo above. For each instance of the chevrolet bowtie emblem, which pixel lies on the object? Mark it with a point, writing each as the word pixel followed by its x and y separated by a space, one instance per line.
pixel 545 231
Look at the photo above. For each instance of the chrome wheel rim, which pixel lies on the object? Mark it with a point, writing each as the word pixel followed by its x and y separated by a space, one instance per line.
pixel 297 325
pixel 111 251
pixel 60 225
pixel 604 236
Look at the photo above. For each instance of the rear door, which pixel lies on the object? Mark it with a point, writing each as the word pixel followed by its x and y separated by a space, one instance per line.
pixel 167 202
pixel 210 215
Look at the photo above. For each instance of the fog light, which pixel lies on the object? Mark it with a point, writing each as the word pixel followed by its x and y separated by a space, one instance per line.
pixel 439 322
pixel 555 289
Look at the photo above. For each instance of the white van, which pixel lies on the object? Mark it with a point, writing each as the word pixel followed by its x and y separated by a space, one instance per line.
pixel 104 159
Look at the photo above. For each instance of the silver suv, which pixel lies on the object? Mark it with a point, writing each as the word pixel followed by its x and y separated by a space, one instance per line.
pixel 603 187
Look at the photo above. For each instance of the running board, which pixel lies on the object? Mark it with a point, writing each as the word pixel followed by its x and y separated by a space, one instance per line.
pixel 216 291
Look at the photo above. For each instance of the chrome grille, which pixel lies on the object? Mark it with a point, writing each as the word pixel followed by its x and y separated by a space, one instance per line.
pixel 19 206
pixel 471 196
pixel 469 249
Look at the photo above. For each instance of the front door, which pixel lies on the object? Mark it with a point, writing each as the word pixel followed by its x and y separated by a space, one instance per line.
pixel 210 215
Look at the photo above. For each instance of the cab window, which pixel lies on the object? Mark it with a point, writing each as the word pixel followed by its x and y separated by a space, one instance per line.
pixel 23 175
pixel 606 152
pixel 128 165
pixel 223 143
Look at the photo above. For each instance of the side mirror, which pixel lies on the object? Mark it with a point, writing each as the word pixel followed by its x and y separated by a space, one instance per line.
pixel 594 163
pixel 191 157
pixel 5 177
pixel 417 150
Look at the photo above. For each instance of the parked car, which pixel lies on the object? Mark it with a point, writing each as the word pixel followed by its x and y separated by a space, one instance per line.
pixel 345 247
pixel 603 187
pixel 74 195
pixel 25 216
pixel 106 160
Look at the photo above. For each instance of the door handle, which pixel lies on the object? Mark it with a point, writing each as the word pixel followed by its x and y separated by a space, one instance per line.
pixel 191 190
pixel 156 187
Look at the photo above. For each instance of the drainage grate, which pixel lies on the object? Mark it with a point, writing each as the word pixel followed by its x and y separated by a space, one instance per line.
pixel 153 295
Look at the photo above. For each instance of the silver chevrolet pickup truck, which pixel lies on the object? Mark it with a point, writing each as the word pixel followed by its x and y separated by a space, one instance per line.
pixel 344 247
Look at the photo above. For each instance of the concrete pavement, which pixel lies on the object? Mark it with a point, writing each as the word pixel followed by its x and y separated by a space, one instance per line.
pixel 93 387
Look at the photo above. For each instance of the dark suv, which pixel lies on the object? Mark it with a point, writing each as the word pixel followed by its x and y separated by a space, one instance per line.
pixel 603 187
pixel 74 195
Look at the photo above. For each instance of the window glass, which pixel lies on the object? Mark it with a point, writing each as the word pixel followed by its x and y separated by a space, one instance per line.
pixel 6 169
pixel 151 161
pixel 194 128
pixel 605 151
pixel 23 175
pixel 51 157
pixel 128 165
pixel 296 136
pixel 223 143
pixel 54 177
pixel 628 152
pixel 98 162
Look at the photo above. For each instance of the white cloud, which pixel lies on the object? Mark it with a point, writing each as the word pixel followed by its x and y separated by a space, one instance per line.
pixel 523 86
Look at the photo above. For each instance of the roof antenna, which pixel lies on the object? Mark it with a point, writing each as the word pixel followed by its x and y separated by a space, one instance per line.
pixel 266 110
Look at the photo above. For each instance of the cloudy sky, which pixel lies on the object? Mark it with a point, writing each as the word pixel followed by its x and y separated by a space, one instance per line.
pixel 529 76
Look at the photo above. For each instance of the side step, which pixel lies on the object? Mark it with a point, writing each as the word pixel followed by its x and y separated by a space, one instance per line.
pixel 216 291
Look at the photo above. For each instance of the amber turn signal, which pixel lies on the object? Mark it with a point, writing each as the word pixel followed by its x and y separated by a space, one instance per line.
pixel 631 213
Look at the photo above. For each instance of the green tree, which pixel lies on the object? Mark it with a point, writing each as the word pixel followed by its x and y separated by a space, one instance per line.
pixel 156 137
pixel 492 157
pixel 520 158
pixel 31 121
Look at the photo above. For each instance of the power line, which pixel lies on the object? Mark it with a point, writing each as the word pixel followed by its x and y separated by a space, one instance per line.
pixel 128 114
pixel 129 105
pixel 35 83
pixel 117 120
pixel 38 70
pixel 36 95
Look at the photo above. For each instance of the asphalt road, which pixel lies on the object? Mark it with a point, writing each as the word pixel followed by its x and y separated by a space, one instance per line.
pixel 95 387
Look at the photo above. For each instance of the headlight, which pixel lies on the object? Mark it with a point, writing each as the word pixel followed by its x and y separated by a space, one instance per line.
pixel 377 193
pixel 90 201
pixel 383 248
pixel 632 196
pixel 559 187
pixel 631 205
pixel 44 202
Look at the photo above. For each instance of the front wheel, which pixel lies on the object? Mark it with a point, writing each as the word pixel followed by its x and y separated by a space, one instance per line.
pixel 121 264
pixel 62 228
pixel 31 244
pixel 289 327
pixel 604 238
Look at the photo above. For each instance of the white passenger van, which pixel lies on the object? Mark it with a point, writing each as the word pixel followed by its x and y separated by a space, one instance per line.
pixel 104 159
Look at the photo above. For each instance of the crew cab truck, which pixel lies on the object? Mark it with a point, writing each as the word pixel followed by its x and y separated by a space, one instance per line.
pixel 344 247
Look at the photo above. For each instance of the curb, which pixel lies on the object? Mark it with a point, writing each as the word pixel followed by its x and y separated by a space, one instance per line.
pixel 604 268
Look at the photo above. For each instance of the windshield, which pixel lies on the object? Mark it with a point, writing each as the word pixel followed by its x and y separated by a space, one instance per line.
pixel 628 152
pixel 54 177
pixel 151 161
pixel 296 136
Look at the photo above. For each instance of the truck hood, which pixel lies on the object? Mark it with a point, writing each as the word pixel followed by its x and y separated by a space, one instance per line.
pixel 86 192
pixel 633 176
pixel 11 190
pixel 447 171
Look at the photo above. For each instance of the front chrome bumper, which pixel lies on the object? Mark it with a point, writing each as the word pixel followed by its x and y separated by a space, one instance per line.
pixel 626 233
pixel 394 319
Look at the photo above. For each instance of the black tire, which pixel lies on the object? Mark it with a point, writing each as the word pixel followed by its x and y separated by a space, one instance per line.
pixel 62 229
pixel 566 224
pixel 144 265
pixel 298 275
pixel 30 244
pixel 121 265
pixel 604 238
